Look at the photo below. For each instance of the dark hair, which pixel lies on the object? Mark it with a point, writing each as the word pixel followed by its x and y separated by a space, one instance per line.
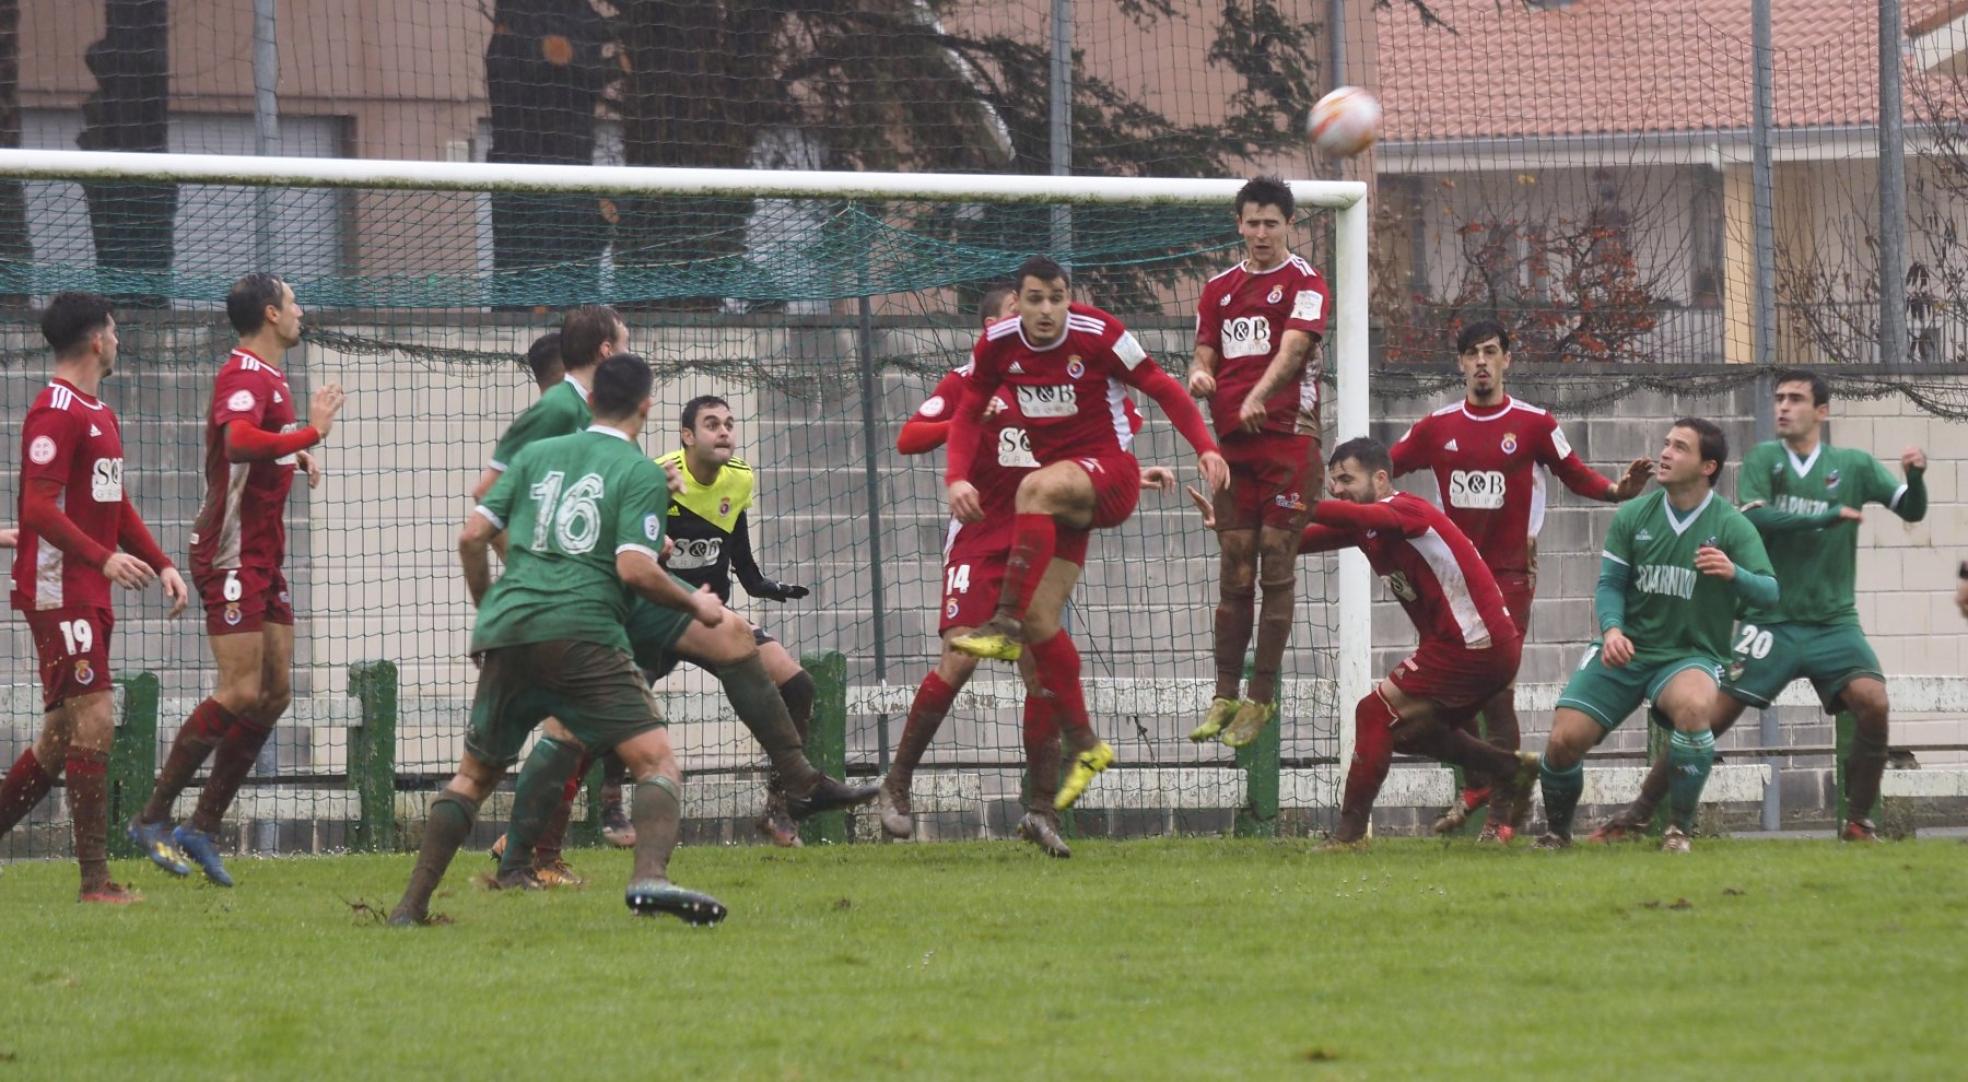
pixel 1820 390
pixel 543 356
pixel 1044 268
pixel 992 300
pixel 71 318
pixel 698 405
pixel 1266 192
pixel 1365 450
pixel 1714 445
pixel 1480 332
pixel 585 332
pixel 251 296
pixel 620 384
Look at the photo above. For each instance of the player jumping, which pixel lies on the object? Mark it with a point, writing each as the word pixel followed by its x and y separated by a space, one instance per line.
pixel 74 515
pixel 1491 455
pixel 253 445
pixel 1256 328
pixel 1067 365
pixel 1675 568
pixel 1804 496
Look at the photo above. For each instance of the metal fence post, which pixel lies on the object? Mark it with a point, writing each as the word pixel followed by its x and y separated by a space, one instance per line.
pixel 826 739
pixel 372 756
pixel 132 758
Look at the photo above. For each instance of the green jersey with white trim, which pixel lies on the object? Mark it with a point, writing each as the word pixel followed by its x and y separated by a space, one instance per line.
pixel 569 505
pixel 561 410
pixel 1673 610
pixel 1815 552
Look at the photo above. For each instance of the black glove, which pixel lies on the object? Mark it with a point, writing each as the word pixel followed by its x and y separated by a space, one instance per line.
pixel 777 591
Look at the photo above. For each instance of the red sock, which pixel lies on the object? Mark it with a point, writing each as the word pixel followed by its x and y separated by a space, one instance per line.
pixel 26 784
pixel 1059 674
pixel 1033 539
pixel 926 713
pixel 1040 726
pixel 1373 751
pixel 580 778
pixel 1071 545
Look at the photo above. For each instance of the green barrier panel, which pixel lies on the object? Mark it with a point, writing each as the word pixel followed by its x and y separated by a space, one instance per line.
pixel 826 740
pixel 372 756
pixel 132 759
pixel 1258 816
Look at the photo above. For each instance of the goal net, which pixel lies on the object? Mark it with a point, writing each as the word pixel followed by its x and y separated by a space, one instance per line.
pixel 822 306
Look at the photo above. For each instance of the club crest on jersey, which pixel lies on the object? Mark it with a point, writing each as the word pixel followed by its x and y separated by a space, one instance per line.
pixel 84 675
pixel 1510 443
pixel 950 609
pixel 1736 671
pixel 1831 479
pixel 41 451
pixel 232 616
pixel 724 506
pixel 240 402
pixel 1277 294
pixel 1075 367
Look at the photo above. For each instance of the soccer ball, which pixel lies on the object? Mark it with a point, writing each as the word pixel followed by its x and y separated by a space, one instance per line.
pixel 1344 122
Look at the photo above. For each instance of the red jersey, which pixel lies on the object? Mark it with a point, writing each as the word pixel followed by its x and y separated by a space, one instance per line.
pixel 1490 468
pixel 1428 564
pixel 241 523
pixel 1243 316
pixel 74 439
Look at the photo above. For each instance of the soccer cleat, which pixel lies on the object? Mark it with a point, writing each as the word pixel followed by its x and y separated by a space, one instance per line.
pixel 1042 830
pixel 1250 721
pixel 1496 834
pixel 1615 830
pixel 1518 795
pixel 989 644
pixel 1675 840
pixel 897 821
pixel 109 894
pixel 647 897
pixel 1465 806
pixel 203 851
pixel 1858 830
pixel 1221 710
pixel 523 879
pixel 1552 840
pixel 616 829
pixel 155 841
pixel 829 795
pixel 777 823
pixel 557 873
pixel 1085 765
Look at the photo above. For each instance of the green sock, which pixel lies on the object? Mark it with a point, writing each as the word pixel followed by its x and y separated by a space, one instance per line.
pixel 448 826
pixel 758 703
pixel 1561 794
pixel 656 809
pixel 1689 757
pixel 535 797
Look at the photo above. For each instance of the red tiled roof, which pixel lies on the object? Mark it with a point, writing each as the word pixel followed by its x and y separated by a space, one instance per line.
pixel 1623 66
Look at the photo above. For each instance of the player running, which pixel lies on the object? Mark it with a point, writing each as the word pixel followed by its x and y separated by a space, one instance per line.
pixel 1469 648
pixel 74 516
pixel 253 445
pixel 1257 325
pixel 1067 366
pixel 1675 568
pixel 1491 455
pixel 1804 497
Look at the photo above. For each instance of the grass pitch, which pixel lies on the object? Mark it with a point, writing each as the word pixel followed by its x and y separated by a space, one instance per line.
pixel 1194 958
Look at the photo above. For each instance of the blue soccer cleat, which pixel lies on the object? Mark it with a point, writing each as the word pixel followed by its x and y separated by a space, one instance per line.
pixel 204 852
pixel 647 897
pixel 155 841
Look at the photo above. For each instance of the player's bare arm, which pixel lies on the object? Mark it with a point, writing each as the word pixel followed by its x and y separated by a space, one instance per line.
pixel 1294 350
pixel 9 538
pixel 1202 372
pixel 648 579
pixel 474 541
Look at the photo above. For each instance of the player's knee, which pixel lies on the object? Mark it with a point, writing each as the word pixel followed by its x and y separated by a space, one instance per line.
pixel 954 667
pixel 274 702
pixel 1039 626
pixel 1279 565
pixel 798 692
pixel 1869 706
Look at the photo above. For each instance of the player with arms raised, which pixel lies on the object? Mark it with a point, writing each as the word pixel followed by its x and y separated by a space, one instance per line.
pixel 253 445
pixel 1256 327
pixel 1491 454
pixel 1677 564
pixel 1804 496
pixel 74 515
pixel 1067 366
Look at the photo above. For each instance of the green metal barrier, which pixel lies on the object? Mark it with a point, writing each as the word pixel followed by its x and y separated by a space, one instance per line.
pixel 1257 817
pixel 826 739
pixel 132 758
pixel 1846 727
pixel 372 756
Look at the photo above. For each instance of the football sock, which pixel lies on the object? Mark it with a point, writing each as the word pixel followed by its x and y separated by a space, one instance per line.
pixel 1033 540
pixel 798 692
pixel 756 700
pixel 1653 788
pixel 613 770
pixel 656 809
pixel 1274 623
pixel 1863 767
pixel 1058 664
pixel 926 714
pixel 233 760
pixel 553 836
pixel 1373 753
pixel 1458 748
pixel 1690 755
pixel 25 786
pixel 1041 753
pixel 536 796
pixel 446 827
pixel 200 733
pixel 88 807
pixel 1561 789
pixel 1236 602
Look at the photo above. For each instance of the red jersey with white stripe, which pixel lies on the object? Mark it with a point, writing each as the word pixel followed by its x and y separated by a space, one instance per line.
pixel 241 523
pixel 1429 566
pixel 1243 316
pixel 1490 465
pixel 72 438
pixel 1072 394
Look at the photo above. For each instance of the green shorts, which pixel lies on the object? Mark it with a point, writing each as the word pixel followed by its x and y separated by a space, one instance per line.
pixel 1607 695
pixel 654 630
pixel 1770 656
pixel 593 689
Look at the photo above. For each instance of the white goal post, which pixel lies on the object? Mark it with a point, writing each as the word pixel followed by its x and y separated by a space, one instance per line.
pixel 1347 347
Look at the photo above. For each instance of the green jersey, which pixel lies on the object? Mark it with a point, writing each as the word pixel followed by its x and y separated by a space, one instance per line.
pixel 1794 502
pixel 568 506
pixel 1673 610
pixel 561 411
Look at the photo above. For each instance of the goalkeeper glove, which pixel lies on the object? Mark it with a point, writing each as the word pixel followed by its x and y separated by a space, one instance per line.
pixel 777 591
